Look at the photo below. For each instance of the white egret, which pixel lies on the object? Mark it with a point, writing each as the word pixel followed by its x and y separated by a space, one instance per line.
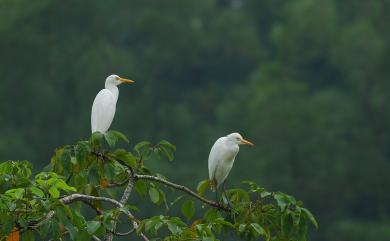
pixel 104 105
pixel 222 157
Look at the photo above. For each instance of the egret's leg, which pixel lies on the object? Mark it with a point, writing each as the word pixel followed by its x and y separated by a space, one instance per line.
pixel 216 195
pixel 224 193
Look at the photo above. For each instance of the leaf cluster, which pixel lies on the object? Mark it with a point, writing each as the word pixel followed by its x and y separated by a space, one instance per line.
pixel 98 170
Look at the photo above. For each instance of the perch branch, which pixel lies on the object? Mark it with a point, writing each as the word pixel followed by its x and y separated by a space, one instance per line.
pixel 81 197
pixel 163 181
pixel 183 189
pixel 123 201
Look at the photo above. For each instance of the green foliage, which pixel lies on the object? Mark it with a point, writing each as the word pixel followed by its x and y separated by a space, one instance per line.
pixel 96 168
pixel 188 209
pixel 202 187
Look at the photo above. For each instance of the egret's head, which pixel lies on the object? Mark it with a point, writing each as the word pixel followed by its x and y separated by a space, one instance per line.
pixel 116 80
pixel 238 139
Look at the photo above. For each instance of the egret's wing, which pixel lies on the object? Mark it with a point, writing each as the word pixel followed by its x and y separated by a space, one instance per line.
pixel 215 157
pixel 221 160
pixel 103 111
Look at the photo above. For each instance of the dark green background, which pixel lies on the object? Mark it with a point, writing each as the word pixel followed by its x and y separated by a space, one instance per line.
pixel 308 81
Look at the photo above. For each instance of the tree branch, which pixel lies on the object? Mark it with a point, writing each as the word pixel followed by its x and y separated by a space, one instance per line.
pixel 81 197
pixel 110 185
pixel 123 201
pixel 183 189
pixel 75 197
pixel 123 234
pixel 96 238
pixel 66 232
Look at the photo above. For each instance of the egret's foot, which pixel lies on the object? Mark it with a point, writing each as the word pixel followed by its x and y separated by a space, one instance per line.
pixel 229 204
pixel 226 201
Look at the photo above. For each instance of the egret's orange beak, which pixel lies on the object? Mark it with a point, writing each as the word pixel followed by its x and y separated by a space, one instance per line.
pixel 243 141
pixel 127 81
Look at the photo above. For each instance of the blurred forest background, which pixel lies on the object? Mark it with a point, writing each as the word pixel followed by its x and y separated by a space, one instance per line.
pixel 308 81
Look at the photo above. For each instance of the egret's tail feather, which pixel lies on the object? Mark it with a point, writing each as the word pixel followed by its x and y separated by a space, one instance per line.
pixel 213 185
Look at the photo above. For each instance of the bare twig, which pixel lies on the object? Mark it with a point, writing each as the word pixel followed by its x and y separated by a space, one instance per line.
pixel 123 234
pixel 66 232
pixel 131 180
pixel 120 184
pixel 96 238
pixel 81 197
pixel 48 216
pixel 123 201
pixel 183 189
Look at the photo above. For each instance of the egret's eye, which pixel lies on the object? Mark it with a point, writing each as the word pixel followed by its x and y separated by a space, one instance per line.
pixel 237 139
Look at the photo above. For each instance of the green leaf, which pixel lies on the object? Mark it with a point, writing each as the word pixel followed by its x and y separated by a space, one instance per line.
pixel 61 215
pixel 163 198
pixel 8 224
pixel 140 146
pixel 188 209
pixel 302 230
pixel 110 138
pixel 242 227
pixel 237 194
pixel 72 230
pixel 310 216
pixel 120 136
pixel 173 228
pixel 73 160
pixel 64 156
pixel 44 229
pixel 167 153
pixel 16 193
pixel 37 192
pixel 202 187
pixel 296 216
pixel 83 235
pixel 264 194
pixel 167 149
pixel 28 236
pixel 107 218
pixel 212 214
pixel 154 195
pixel 282 201
pixel 96 138
pixel 286 224
pixel 258 229
pixel 109 171
pixel 158 226
pixel 63 186
pixel 126 157
pixel 132 207
pixel 54 192
pixel 92 226
pixel 82 151
pixel 141 187
pixel 153 224
pixel 168 145
pixel 78 220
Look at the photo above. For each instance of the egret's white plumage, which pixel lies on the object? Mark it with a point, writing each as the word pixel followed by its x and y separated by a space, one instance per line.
pixel 104 105
pixel 222 156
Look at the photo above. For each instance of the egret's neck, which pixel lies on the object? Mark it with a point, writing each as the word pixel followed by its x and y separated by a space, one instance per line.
pixel 232 143
pixel 114 90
